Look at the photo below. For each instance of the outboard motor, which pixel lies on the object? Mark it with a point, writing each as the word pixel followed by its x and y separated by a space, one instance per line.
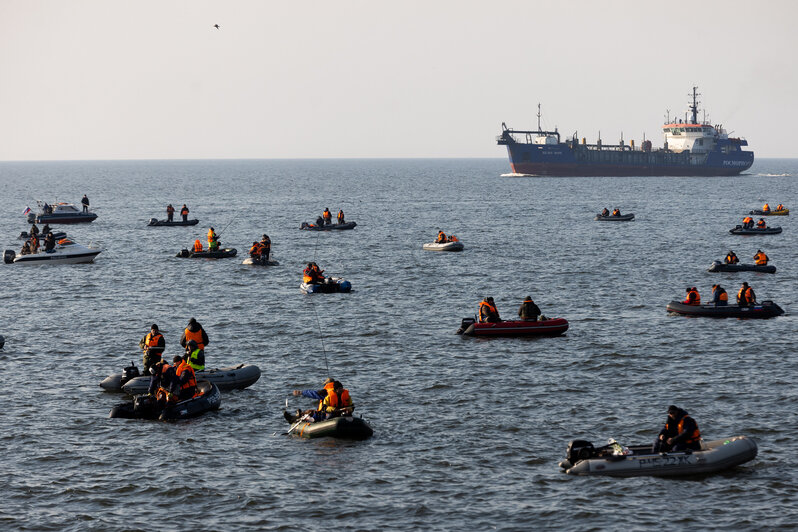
pixel 2 341
pixel 465 324
pixel 31 217
pixel 580 450
pixel 144 405
pixel 153 221
pixel 183 253
pixel 130 372
pixel 9 255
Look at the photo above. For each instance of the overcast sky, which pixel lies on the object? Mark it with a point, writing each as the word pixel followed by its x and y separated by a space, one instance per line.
pixel 108 79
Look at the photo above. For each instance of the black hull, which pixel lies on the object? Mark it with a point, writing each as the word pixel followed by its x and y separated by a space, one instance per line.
pixel 718 266
pixel 765 310
pixel 210 399
pixel 164 223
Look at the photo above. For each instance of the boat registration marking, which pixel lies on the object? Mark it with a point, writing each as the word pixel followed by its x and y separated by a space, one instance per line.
pixel 664 461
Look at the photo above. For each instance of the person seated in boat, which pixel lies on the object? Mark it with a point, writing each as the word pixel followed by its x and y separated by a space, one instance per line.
pixel 319 222
pixel 679 433
pixel 170 213
pixel 748 222
pixel 334 401
pixel 488 312
pixel 255 251
pixel 25 248
pixel 693 297
pixel 616 211
pixel 49 242
pixel 528 310
pixel 340 217
pixel 719 296
pixel 605 212
pixel 164 385
pixel 197 246
pixel 184 212
pixel 731 258
pixel 213 244
pixel 313 274
pixel 766 208
pixel 760 259
pixel 452 238
pixel 185 377
pixel 441 237
pixel 761 224
pixel 779 207
pixel 266 247
pixel 152 345
pixel 746 296
pixel 327 216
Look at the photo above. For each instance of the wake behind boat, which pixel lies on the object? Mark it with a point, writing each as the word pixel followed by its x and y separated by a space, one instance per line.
pixel 65 252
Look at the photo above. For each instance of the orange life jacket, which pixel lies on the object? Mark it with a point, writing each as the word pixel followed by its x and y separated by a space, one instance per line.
pixel 170 209
pixel 340 217
pixel 742 295
pixel 196 336
pixel 329 387
pixel 485 310
pixel 747 220
pixel 723 296
pixel 152 341
pixel 749 295
pixel 192 381
pixel 255 249
pixel 766 207
pixel 760 259
pixel 761 224
pixel 197 246
pixel 616 212
pixel 452 238
pixel 779 207
pixel 211 235
pixel 184 210
pixel 441 237
pixel 693 298
pixel 326 215
pixel 731 259
pixel 691 438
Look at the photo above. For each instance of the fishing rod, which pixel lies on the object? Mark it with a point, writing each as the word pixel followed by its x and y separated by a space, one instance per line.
pixel 228 223
pixel 321 337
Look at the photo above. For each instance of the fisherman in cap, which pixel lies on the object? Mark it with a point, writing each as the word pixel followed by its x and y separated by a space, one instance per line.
pixel 679 433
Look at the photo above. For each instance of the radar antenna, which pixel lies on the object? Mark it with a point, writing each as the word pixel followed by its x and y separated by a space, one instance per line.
pixel 694 107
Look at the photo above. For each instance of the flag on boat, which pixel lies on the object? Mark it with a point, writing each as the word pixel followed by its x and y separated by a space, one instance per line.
pixel 26 211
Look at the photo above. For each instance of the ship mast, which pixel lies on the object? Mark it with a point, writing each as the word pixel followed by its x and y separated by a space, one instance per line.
pixel 694 107
pixel 538 117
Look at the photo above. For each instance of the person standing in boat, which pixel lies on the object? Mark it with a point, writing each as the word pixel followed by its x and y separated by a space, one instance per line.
pixel 760 259
pixel 34 244
pixel 488 312
pixel 746 296
pixel 255 251
pixel 185 377
pixel 766 207
pixel 34 230
pixel 529 311
pixel 679 433
pixel 211 236
pixel 327 216
pixel 153 346
pixel 719 296
pixel 731 258
pixel 194 331
pixel 184 212
pixel 265 247
pixel 170 213
pixel 85 202
pixel 605 212
pixel 340 217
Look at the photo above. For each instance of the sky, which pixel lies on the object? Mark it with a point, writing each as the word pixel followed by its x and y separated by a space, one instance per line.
pixel 109 79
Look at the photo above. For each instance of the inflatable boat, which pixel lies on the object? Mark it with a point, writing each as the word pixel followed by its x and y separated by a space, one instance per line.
pixel 718 266
pixel 329 227
pixel 226 379
pixel 766 309
pixel 344 427
pixel 739 230
pixel 623 218
pixel 638 460
pixel 154 222
pixel 249 261
pixel 65 252
pixel 443 246
pixel 218 254
pixel 329 286
pixel 783 212
pixel 143 406
pixel 549 327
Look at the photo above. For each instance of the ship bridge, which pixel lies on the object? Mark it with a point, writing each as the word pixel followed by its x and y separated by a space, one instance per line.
pixel 693 136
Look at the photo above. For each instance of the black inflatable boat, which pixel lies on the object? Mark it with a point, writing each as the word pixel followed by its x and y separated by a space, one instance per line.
pixel 740 230
pixel 143 406
pixel 219 254
pixel 766 309
pixel 718 266
pixel 623 218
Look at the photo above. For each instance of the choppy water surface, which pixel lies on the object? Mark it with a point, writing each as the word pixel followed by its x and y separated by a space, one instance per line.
pixel 468 432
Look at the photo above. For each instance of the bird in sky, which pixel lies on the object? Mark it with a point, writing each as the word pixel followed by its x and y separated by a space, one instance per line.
pixel 216 26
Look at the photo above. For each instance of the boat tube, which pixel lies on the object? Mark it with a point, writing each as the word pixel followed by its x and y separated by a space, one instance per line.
pixel 249 261
pixel 623 218
pixel 155 222
pixel 343 427
pixel 443 246
pixel 143 406
pixel 226 379
pixel 783 212
pixel 718 266
pixel 2 341
pixel 219 254
pixel 329 227
pixel 766 309
pixel 548 327
pixel 65 252
pixel 739 230
pixel 639 460
pixel 329 286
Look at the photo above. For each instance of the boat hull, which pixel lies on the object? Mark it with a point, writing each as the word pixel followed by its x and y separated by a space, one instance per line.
pixel 755 231
pixel 445 246
pixel 164 223
pixel 210 399
pixel 249 261
pixel 783 212
pixel 332 227
pixel 221 254
pixel 718 266
pixel 767 309
pixel 552 327
pixel 623 218
pixel 344 427
pixel 333 285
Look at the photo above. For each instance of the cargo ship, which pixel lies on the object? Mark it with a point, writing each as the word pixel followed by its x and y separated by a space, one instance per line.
pixel 691 148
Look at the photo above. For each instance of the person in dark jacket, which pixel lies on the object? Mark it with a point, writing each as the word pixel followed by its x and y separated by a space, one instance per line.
pixel 49 242
pixel 164 384
pixel 194 331
pixel 266 247
pixel 719 295
pixel 679 433
pixel 85 202
pixel 34 230
pixel 528 310
pixel 153 345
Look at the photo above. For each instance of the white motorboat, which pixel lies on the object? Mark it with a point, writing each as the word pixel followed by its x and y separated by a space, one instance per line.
pixel 65 252
pixel 617 461
pixel 443 246
pixel 60 213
